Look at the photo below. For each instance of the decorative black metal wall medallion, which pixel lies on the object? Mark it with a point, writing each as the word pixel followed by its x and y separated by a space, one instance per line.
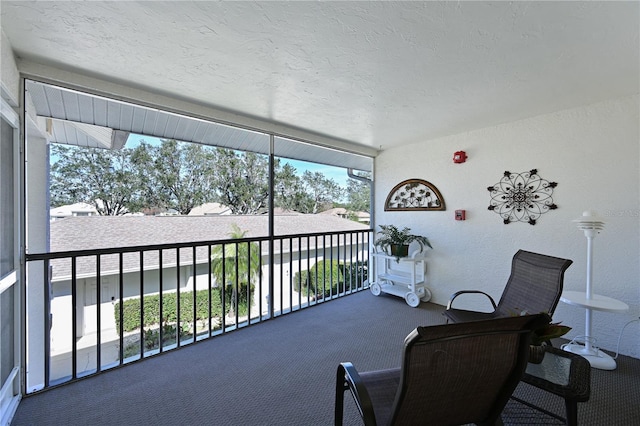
pixel 414 194
pixel 522 197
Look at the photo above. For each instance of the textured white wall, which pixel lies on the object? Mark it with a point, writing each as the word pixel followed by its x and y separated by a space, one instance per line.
pixel 10 80
pixel 592 152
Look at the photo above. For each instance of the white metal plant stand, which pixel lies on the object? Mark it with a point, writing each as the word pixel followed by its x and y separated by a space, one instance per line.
pixel 403 278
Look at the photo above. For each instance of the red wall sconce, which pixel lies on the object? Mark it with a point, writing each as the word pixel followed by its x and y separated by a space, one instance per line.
pixel 459 157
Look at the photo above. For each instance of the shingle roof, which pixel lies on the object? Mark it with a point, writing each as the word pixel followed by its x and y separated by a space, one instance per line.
pixel 92 232
pixel 97 232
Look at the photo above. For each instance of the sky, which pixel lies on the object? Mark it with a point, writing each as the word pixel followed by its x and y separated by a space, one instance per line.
pixel 338 174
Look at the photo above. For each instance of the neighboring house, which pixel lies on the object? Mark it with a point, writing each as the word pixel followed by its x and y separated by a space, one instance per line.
pixel 77 209
pixel 90 233
pixel 363 217
pixel 210 209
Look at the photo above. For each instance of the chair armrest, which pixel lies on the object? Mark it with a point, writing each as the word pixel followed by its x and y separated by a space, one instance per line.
pixel 348 378
pixel 459 293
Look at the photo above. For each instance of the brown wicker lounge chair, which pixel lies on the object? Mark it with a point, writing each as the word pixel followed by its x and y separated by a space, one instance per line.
pixel 534 286
pixel 451 374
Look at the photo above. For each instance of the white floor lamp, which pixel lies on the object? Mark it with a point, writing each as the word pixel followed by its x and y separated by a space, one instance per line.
pixel 591 224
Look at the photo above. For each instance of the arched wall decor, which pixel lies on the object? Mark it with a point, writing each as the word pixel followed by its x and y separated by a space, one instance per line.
pixel 414 194
pixel 522 197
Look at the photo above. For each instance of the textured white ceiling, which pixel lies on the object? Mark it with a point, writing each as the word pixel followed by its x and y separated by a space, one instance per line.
pixel 374 73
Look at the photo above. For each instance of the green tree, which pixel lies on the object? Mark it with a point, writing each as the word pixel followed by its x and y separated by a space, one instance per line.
pixel 236 265
pixel 180 175
pixel 242 181
pixel 103 178
pixel 358 195
pixel 322 191
pixel 309 193
pixel 290 192
pixel 176 175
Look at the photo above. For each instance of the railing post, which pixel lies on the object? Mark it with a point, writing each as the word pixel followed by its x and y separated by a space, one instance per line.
pixel 98 315
pixel 74 319
pixel 141 304
pixel 121 305
pixel 47 322
pixel 223 285
pixel 195 305
pixel 210 285
pixel 160 301
pixel 178 326
pixel 236 288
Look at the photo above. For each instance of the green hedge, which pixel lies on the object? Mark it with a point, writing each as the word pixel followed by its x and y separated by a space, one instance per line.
pixel 355 274
pixel 322 280
pixel 330 277
pixel 131 307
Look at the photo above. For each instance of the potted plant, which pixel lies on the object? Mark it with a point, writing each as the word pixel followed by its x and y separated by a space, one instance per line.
pixel 541 336
pixel 397 241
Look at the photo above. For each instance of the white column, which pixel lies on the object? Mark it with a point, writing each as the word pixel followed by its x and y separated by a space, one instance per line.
pixel 37 223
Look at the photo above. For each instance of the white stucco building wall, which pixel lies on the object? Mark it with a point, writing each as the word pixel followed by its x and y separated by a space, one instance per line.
pixel 592 152
pixel 10 78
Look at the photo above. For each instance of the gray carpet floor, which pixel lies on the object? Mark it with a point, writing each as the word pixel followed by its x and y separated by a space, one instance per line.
pixel 282 372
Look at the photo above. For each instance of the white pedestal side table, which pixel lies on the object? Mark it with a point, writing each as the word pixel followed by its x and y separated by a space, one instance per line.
pixel 595 356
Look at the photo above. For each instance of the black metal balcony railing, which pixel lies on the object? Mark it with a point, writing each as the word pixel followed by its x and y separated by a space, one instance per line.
pixel 104 308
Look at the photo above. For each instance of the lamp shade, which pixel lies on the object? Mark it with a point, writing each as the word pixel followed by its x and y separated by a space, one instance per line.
pixel 589 221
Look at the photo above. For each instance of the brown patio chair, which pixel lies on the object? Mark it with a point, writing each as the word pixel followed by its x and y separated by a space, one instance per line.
pixel 451 374
pixel 534 286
